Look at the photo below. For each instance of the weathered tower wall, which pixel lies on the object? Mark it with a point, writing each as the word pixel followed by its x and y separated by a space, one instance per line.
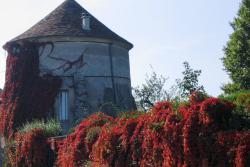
pixel 96 74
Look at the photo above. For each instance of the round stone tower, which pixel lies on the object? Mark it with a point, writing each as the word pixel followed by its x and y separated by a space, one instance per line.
pixel 91 60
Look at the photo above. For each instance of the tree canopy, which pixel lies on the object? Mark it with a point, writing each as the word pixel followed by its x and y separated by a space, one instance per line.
pixel 237 51
pixel 155 88
pixel 151 91
pixel 190 82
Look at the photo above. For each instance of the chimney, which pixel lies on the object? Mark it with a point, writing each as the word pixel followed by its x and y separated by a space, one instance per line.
pixel 85 21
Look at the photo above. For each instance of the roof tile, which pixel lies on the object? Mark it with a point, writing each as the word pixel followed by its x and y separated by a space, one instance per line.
pixel 66 20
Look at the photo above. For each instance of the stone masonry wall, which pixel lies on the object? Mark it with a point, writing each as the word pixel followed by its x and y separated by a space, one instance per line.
pixel 85 69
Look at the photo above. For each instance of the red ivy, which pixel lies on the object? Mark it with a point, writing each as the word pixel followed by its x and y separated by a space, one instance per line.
pixel 75 148
pixel 26 95
pixel 160 138
pixel 30 149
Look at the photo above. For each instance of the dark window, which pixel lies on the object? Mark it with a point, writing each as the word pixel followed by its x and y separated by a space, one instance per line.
pixel 64 105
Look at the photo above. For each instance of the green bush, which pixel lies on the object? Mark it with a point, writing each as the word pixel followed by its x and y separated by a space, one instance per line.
pixel 242 101
pixel 51 127
pixel 241 113
pixel 32 136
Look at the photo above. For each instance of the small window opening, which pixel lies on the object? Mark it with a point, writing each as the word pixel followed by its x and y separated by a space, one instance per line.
pixel 64 107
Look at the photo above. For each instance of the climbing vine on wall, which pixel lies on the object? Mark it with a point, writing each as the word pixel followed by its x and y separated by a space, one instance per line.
pixel 26 95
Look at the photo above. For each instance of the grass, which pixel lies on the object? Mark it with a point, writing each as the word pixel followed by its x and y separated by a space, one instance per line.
pixel 51 127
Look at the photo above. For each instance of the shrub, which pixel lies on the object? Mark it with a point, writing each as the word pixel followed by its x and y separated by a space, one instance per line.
pixel 76 148
pixel 50 128
pixel 241 113
pixel 197 97
pixel 128 115
pixel 155 138
pixel 159 138
pixel 218 110
pixel 30 147
pixel 93 134
pixel 242 101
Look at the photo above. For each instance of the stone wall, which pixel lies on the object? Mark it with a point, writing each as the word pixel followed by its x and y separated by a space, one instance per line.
pixel 95 74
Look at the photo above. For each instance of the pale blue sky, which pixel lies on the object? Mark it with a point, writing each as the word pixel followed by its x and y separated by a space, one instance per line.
pixel 165 33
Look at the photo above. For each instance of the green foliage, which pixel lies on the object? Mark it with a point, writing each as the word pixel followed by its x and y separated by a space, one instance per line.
pixel 51 128
pixel 242 101
pixel 93 134
pixel 128 115
pixel 150 92
pixel 237 51
pixel 241 114
pixel 156 126
pixel 190 82
pixel 231 88
pixel 154 90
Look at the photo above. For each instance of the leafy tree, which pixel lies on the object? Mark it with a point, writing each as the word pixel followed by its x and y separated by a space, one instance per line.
pixel 152 91
pixel 190 82
pixel 237 51
pixel 231 88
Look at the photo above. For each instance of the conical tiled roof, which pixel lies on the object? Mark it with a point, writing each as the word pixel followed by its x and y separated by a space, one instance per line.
pixel 66 20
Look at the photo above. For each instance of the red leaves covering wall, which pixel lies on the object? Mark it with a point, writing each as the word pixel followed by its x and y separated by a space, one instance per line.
pixel 26 95
pixel 160 138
